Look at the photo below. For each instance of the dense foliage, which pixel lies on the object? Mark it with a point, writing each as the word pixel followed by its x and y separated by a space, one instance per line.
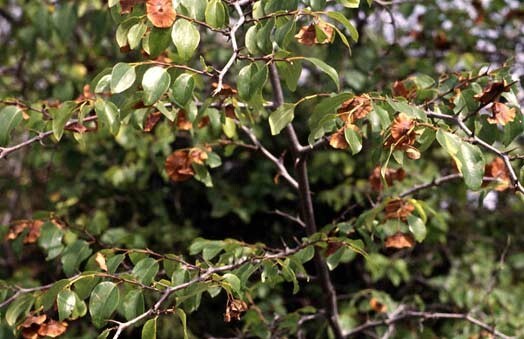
pixel 261 168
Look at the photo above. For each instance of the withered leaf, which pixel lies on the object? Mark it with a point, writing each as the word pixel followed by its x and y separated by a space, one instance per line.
pixel 161 13
pixel 308 34
pixel 338 140
pixel 178 166
pixel 400 240
pixel 355 108
pixel 52 328
pixel 33 319
pixel 390 176
pixel 492 92
pixel 501 114
pixel 101 261
pixel 398 209
pixel 377 306
pixel 181 121
pixel 497 169
pixel 234 309
pixel 151 121
pixel 33 226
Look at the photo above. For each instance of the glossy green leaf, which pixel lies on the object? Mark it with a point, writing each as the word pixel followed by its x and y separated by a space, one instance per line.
pixel 135 34
pixel 281 117
pixel 61 116
pixel 290 73
pixel 233 281
pixel 183 319
pixel 349 3
pixel 108 115
pixel 122 77
pixel 215 13
pixel 417 227
pixel 158 41
pixel 155 82
pixel 133 304
pixel 18 308
pixel 146 270
pixel 103 302
pixel 251 80
pixel 186 38
pixel 10 117
pixel 74 255
pixel 354 139
pixel 338 16
pixel 183 89
pixel 51 240
pixel 468 158
pixel 149 329
pixel 330 71
pixel 66 302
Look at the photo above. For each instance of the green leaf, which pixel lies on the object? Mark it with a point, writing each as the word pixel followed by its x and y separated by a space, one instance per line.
pixel 212 248
pixel 85 285
pixel 146 270
pixel 251 41
pixel 10 117
pixel 182 89
pixel 74 255
pixel 108 115
pixel 51 240
pixel 61 116
pixel 183 319
pixel 330 71
pixel 186 38
pixel 155 82
pixel 349 3
pixel 251 80
pixel 468 158
pixel 103 302
pixel 66 302
pixel 114 262
pixel 195 8
pixel 233 281
pixel 149 329
pixel 290 73
pixel 158 40
pixel 417 227
pixel 47 300
pixel 133 304
pixel 338 16
pixel 19 307
pixel 354 139
pixel 280 118
pixel 215 14
pixel 135 34
pixel 122 77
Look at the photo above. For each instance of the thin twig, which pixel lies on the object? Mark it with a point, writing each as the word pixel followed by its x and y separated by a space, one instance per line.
pixel 437 182
pixel 278 162
pixel 288 216
pixel 5 151
pixel 234 44
pixel 426 315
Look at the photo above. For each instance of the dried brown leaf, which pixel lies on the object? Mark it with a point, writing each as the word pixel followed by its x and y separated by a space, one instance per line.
pixel 161 13
pixel 399 240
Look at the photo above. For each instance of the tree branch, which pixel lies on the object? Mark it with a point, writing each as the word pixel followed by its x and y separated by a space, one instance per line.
pixel 202 277
pixel 234 44
pixel 425 316
pixel 306 205
pixel 437 182
pixel 5 151
pixel 278 162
